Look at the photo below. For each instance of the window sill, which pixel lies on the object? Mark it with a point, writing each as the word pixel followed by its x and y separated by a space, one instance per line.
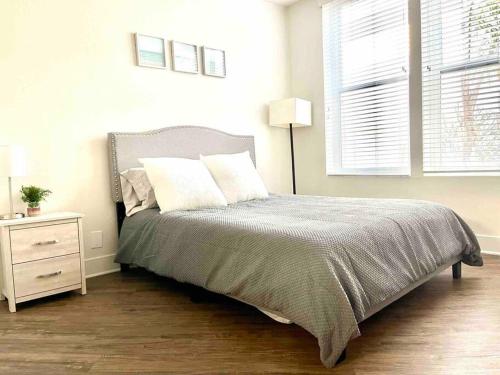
pixel 368 173
pixel 461 174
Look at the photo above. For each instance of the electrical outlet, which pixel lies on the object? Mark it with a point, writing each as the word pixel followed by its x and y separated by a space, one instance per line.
pixel 96 239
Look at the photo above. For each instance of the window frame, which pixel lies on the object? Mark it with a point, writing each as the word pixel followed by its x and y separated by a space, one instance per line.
pixel 334 140
pixel 416 112
pixel 443 70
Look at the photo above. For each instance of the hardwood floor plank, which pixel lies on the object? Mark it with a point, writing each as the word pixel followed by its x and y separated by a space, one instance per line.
pixel 137 322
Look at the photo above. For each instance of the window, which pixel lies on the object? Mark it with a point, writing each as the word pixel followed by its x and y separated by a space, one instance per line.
pixel 461 86
pixel 366 86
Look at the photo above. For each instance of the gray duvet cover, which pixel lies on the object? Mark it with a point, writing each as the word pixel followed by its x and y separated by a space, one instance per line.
pixel 321 262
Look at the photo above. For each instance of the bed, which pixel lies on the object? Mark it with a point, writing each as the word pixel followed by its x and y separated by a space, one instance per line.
pixel 324 263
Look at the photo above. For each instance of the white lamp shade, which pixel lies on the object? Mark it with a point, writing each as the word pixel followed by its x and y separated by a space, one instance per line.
pixel 12 161
pixel 293 111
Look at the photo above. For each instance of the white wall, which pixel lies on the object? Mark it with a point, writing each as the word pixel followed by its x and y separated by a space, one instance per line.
pixel 476 199
pixel 68 76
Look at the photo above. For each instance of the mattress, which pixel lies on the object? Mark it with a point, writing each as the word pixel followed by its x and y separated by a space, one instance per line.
pixel 323 262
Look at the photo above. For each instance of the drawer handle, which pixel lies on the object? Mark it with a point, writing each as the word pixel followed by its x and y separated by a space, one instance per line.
pixel 46 276
pixel 41 243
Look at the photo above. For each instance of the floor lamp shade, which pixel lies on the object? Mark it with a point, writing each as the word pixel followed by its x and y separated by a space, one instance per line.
pixel 12 161
pixel 290 113
pixel 293 111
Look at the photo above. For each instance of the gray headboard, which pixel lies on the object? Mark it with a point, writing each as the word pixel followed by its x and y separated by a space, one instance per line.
pixel 177 141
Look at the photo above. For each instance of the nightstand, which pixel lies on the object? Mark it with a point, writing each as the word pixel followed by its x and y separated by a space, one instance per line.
pixel 41 256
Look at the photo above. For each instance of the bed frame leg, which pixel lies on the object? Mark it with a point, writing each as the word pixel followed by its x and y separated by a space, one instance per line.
pixel 342 357
pixel 457 270
pixel 124 267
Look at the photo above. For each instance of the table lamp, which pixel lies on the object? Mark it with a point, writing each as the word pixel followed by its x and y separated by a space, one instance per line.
pixel 290 113
pixel 12 164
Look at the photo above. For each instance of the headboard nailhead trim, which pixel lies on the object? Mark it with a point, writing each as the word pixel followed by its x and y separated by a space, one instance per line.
pixel 116 189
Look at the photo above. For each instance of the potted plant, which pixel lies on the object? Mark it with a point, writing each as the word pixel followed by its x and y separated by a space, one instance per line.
pixel 33 195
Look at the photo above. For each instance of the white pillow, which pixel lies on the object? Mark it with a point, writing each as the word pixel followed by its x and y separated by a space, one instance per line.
pixel 236 176
pixel 182 184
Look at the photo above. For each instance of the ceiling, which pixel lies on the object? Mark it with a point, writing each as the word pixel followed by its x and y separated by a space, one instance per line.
pixel 283 2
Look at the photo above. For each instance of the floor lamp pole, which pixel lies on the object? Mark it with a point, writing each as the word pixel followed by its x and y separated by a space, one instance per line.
pixel 293 160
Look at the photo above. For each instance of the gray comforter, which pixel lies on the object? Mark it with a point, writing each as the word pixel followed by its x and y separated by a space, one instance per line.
pixel 321 262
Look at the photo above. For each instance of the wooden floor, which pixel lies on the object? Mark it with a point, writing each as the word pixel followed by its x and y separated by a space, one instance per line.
pixel 140 323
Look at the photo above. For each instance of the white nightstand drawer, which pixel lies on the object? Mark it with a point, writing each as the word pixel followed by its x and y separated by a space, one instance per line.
pixel 47 274
pixel 43 242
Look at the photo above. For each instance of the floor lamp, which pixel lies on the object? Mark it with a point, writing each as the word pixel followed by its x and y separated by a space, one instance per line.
pixel 290 113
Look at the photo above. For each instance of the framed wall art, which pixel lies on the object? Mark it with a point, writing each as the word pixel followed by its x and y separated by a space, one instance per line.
pixel 150 51
pixel 214 62
pixel 184 57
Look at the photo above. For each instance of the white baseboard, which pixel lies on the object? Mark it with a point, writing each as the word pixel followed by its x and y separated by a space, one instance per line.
pixel 489 244
pixel 101 265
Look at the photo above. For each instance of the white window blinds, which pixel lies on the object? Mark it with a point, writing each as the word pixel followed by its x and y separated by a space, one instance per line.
pixel 365 44
pixel 461 85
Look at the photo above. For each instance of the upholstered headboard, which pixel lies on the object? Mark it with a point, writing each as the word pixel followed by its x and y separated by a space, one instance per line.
pixel 176 141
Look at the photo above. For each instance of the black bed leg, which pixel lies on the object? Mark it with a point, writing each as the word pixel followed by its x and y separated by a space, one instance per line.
pixel 342 357
pixel 124 267
pixel 457 270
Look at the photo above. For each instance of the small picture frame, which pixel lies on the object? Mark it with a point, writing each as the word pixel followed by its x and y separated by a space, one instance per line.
pixel 150 51
pixel 184 57
pixel 214 62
